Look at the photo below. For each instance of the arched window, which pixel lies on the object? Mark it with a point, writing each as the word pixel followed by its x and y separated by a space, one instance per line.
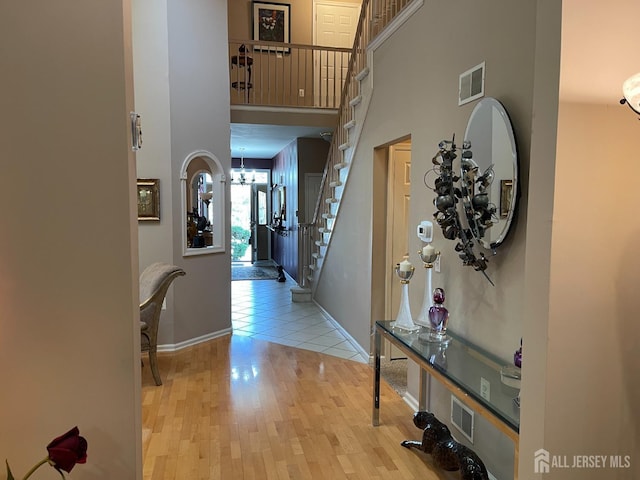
pixel 202 184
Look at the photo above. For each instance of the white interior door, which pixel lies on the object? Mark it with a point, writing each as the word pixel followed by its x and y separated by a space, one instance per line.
pixel 399 199
pixel 335 26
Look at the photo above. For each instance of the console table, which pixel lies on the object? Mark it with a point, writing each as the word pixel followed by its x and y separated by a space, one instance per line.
pixel 463 368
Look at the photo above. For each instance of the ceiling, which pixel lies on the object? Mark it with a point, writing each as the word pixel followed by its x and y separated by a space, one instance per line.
pixel 266 141
pixel 600 49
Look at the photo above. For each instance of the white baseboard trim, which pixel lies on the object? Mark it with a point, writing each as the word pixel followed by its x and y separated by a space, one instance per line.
pixel 411 401
pixel 194 341
pixel 361 351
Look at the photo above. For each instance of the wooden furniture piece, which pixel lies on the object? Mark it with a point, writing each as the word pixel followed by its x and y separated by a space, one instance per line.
pixel 154 283
pixel 462 368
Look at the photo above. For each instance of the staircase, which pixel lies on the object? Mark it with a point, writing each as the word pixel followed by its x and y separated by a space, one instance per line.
pixel 315 237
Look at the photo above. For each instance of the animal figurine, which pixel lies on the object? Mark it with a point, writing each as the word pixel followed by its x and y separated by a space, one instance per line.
pixel 446 452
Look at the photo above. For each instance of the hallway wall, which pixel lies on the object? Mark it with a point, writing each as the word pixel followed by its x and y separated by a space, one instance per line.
pixel 182 94
pixel 302 156
pixel 420 99
pixel 69 332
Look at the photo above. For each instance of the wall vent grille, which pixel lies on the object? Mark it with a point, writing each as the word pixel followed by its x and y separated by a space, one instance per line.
pixel 462 418
pixel 471 84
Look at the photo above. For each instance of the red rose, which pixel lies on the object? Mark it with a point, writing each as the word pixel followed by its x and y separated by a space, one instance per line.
pixel 67 450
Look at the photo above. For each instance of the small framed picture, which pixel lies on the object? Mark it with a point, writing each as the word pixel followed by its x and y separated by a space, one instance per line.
pixel 506 193
pixel 148 199
pixel 271 23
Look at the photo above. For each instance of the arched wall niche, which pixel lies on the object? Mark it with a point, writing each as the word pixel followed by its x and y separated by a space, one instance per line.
pixel 202 192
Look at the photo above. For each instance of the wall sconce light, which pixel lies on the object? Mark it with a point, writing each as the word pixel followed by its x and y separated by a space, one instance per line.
pixel 631 92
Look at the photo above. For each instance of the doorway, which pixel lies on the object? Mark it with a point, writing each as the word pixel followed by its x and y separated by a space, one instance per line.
pixel 392 198
pixel 250 207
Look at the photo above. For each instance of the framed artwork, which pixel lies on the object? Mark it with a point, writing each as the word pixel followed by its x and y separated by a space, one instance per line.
pixel 148 199
pixel 271 23
pixel 506 191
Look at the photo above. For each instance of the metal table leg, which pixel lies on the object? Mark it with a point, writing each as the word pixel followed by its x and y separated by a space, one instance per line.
pixel 424 391
pixel 375 415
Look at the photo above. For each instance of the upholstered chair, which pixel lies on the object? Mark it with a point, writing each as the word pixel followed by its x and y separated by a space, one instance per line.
pixel 154 283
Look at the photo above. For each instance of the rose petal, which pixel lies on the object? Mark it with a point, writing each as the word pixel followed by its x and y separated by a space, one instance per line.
pixel 67 450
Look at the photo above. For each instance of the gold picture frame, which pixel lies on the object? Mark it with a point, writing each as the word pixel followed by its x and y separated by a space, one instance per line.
pixel 148 193
pixel 506 192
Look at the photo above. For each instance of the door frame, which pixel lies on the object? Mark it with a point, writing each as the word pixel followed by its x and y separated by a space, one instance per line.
pixel 259 232
pixel 381 265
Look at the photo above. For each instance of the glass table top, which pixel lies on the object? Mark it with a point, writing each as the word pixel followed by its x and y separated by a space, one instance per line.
pixel 472 369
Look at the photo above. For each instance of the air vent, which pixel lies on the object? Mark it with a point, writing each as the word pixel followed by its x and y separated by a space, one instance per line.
pixel 462 418
pixel 471 84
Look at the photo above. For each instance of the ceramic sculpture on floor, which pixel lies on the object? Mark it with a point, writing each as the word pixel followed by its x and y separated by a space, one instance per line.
pixel 446 452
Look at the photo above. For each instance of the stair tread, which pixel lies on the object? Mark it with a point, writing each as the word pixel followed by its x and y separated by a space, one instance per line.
pixel 362 74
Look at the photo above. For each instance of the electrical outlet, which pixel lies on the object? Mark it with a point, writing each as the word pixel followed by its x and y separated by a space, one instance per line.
pixel 436 264
pixel 485 388
pixel 301 92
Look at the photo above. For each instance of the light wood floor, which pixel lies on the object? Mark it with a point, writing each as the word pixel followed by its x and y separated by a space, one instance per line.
pixel 240 408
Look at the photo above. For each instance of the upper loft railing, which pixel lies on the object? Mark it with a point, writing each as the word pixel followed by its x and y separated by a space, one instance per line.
pixel 382 12
pixel 375 15
pixel 286 74
pixel 277 74
pixel 350 92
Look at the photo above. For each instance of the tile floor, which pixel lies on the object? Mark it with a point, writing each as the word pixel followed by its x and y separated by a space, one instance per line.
pixel 262 309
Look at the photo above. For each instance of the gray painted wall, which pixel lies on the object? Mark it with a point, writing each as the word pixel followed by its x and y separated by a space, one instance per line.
pixel 69 333
pixel 182 93
pixel 423 103
pixel 198 75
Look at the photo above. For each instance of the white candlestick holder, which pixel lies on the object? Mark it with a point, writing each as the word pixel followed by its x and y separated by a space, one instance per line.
pixel 404 320
pixel 428 257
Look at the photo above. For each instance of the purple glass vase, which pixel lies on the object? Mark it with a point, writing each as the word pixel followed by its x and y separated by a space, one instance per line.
pixel 517 356
pixel 438 317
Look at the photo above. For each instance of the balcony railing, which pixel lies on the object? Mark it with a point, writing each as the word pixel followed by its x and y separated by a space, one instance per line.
pixel 286 74
pixel 382 12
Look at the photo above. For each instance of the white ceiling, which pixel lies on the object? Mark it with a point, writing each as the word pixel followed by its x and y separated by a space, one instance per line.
pixel 266 141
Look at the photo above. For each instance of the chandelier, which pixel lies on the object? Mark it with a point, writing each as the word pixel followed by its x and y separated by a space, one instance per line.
pixel 242 178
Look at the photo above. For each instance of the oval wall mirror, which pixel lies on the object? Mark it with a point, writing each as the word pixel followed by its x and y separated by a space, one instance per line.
pixel 489 171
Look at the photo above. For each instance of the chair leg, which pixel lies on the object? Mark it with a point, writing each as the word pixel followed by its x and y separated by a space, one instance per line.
pixel 153 362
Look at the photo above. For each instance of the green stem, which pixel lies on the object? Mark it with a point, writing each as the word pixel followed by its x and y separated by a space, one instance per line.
pixel 35 467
